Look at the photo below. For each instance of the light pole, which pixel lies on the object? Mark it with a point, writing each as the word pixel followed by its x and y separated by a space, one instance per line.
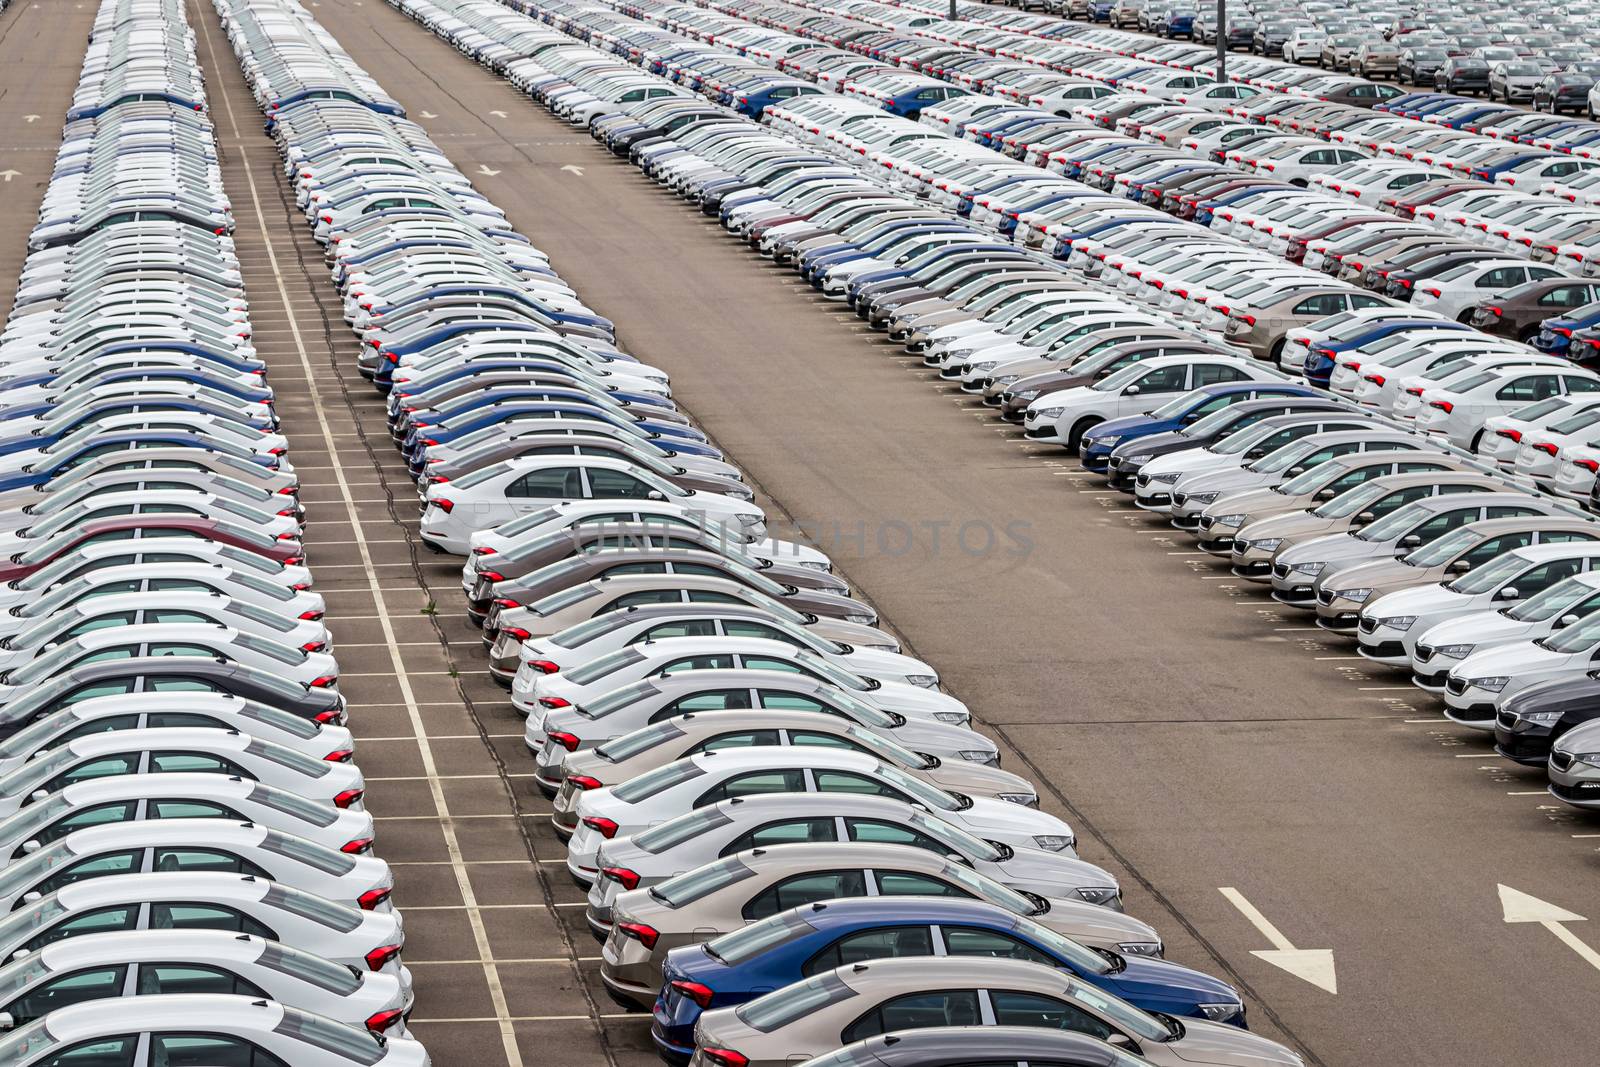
pixel 1222 39
pixel 952 10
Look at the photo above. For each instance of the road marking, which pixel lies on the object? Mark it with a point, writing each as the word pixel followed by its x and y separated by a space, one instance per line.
pixel 571 169
pixel 1519 907
pixel 9 174
pixel 483 168
pixel 480 935
pixel 1314 965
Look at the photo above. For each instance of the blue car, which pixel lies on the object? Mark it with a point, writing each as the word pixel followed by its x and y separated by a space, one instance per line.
pixel 1094 452
pixel 796 944
pixel 1320 361
pixel 1555 334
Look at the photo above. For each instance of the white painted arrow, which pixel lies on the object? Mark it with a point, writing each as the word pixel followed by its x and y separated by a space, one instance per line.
pixel 1520 907
pixel 483 168
pixel 427 114
pixel 30 119
pixel 1314 965
pixel 576 170
pixel 9 174
pixel 498 114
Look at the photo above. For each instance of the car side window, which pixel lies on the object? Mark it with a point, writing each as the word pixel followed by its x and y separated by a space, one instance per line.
pixel 78 987
pixel 208 1050
pixel 1397 499
pixel 195 915
pixel 643 597
pixel 1031 1009
pixel 709 662
pixel 806 888
pixel 93 867
pixel 1581 383
pixel 791 701
pixel 105 767
pixel 913 884
pixel 204 859
pixel 617 485
pixel 715 700
pixel 1495 546
pixel 849 782
pixel 737 739
pixel 99 921
pixel 916 1011
pixel 1531 387
pixel 1507 511
pixel 822 740
pixel 786 832
pixel 754 783
pixel 1500 278
pixel 1212 373
pixel 682 628
pixel 97 1052
pixel 1444 523
pixel 1541 578
pixel 1163 380
pixel 97 815
pixel 1567 296
pixel 746 628
pixel 555 483
pixel 863 945
pixel 971 941
pixel 876 831
pixel 157 978
pixel 192 762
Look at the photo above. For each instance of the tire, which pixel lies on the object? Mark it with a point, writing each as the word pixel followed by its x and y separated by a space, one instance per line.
pixel 1477 438
pixel 1079 428
pixel 1276 355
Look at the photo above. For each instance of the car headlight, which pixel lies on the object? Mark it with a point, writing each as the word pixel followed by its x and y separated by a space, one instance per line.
pixel 1007 379
pixel 925 681
pixel 1053 842
pixel 1139 948
pixel 1141 459
pixel 1590 758
pixel 1164 479
pixel 752 520
pixel 990 365
pixel 980 755
pixel 1219 1013
pixel 1099 894
pixel 1050 413
pixel 1308 568
pixel 1454 651
pixel 1027 800
pixel 1236 519
pixel 1355 596
pixel 1542 718
pixel 1102 442
pixel 864 620
pixel 1203 498
pixel 1492 684
pixel 960 354
pixel 1398 622
pixel 1028 394
pixel 1267 544
pixel 957 717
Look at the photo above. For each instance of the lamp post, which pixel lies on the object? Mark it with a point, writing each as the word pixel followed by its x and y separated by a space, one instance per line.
pixel 952 10
pixel 1222 39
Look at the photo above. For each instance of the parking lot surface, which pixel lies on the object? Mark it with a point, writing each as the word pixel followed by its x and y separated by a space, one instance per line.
pixel 1167 709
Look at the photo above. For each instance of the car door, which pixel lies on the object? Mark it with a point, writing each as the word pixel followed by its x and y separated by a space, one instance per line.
pixel 876 943
pixel 527 492
pixel 784 832
pixel 809 888
pixel 916 1011
pixel 61 991
pixel 1020 1008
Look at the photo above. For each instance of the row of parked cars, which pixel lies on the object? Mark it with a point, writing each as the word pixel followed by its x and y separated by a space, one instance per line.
pixel 187 869
pixel 779 816
pixel 1380 514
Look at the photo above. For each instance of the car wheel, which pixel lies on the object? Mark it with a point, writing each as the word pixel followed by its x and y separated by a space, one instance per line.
pixel 1529 334
pixel 1465 317
pixel 1476 439
pixel 1276 355
pixel 1082 427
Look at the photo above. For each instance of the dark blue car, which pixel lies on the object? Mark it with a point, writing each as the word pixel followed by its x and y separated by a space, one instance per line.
pixel 1095 450
pixel 1320 361
pixel 1555 334
pixel 813 938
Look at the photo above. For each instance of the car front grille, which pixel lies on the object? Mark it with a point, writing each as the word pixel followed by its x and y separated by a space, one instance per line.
pixel 1506 719
pixel 1324 596
pixel 1455 686
pixel 1424 653
pixel 1368 625
pixel 1561 761
pixel 1280 570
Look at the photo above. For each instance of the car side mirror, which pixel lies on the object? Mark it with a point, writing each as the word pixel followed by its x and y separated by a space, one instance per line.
pixel 1325 494
pixel 1132 390
pixel 1124 1042
pixel 655 494
pixel 31 845
pixel 1365 517
pixel 1460 566
pixel 32 895
pixel 1565 621
pixel 1410 541
pixel 39 794
pixel 1510 592
pixel 7 1021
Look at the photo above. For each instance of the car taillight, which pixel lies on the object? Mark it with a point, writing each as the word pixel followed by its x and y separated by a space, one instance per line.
pixel 325 717
pixel 700 994
pixel 483 550
pixel 543 666
pixel 1512 435
pixel 629 880
pixel 1432 291
pixel 373 897
pixel 384 1020
pixel 493 576
pixel 325 681
pixel 725 1057
pixel 645 935
pixel 565 740
pixel 506 602
pixel 554 702
pixel 357 846
pixel 1443 405
pixel 1496 312
pixel 1415 390
pixel 382 955
pixel 607 828
pixel 313 646
pixel 446 506
pixel 1562 330
pixel 1375 379
pixel 1547 448
pixel 340 755
pixel 348 797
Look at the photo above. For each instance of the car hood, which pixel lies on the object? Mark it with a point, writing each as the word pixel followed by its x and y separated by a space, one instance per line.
pixel 1560 694
pixel 1195 463
pixel 1259 502
pixel 1294 524
pixel 1211 481
pixel 1382 575
pixel 1095 926
pixel 1148 979
pixel 1493 627
pixel 1330 549
pixel 1514 658
pixel 1050 874
pixel 1421 601
pixel 1228 1046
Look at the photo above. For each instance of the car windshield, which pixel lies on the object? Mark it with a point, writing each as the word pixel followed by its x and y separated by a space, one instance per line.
pixel 1491 575
pixel 919 790
pixel 1546 605
pixel 1396 524
pixel 1352 501
pixel 955 838
pixel 1124 1016
pixel 1213 423
pixel 524 523
pixel 1177 405
pixel 1244 440
pixel 1581 421
pixel 26 1042
pixel 28 920
pixel 1581 636
pixel 1285 457
pixel 1117 379
pixel 21 874
pixel 701 882
pixel 33 818
pixel 1541 408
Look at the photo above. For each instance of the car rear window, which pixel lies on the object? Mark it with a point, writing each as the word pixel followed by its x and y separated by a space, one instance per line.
pixel 750 941
pixel 653 782
pixel 786 1005
pixel 701 882
pixel 674 832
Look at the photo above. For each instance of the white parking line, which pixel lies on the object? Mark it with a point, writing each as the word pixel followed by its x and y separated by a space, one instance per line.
pixel 480 935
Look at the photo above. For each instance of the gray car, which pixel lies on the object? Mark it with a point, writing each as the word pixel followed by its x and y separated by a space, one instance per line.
pixel 960 1046
pixel 1574 766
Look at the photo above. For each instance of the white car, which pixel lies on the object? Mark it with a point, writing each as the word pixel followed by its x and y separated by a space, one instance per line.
pixel 1483 679
pixel 1539 451
pixel 211 900
pixel 1503 435
pixel 675 788
pixel 1064 417
pixel 105 967
pixel 1539 617
pixel 201 1028
pixel 1458 289
pixel 1391 626
pixel 161 710
pixel 162 845
pixel 185 749
pixel 500 493
pixel 1458 407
